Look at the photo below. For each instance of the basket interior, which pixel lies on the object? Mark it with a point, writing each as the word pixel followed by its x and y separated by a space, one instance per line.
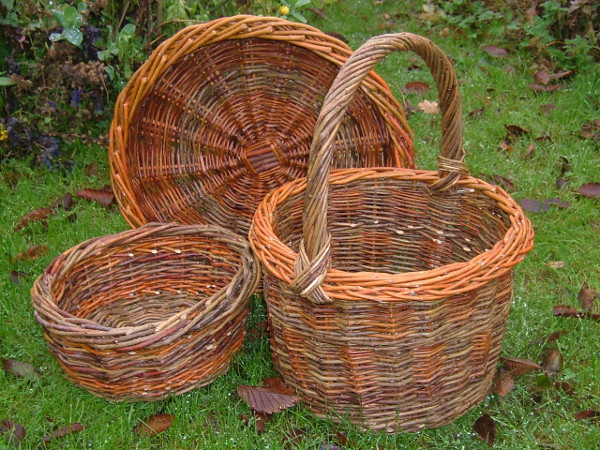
pixel 392 226
pixel 145 282
pixel 232 120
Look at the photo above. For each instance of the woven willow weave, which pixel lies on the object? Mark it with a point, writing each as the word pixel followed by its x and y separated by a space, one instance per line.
pixel 388 290
pixel 223 112
pixel 147 313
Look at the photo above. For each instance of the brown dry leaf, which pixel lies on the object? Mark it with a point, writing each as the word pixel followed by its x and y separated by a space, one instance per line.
pixel 33 252
pixel 529 151
pixel 553 362
pixel 541 77
pixel 154 425
pixel 505 183
pixel 101 196
pixel 567 388
pixel 505 146
pixel 91 170
pixel 504 382
pixel 62 432
pixel 550 338
pixel 590 190
pixel 587 297
pixel 293 438
pixel 271 398
pixel 37 215
pixel 477 112
pixel 556 264
pixel 15 431
pixel 538 206
pixel 547 108
pixel 545 88
pixel 429 107
pixel 418 87
pixel 516 130
pixel 591 130
pixel 569 311
pixel 16 275
pixel 485 427
pixel 518 366
pixel 564 74
pixel 587 414
pixel 319 12
pixel 496 52
pixel 20 369
pixel 65 202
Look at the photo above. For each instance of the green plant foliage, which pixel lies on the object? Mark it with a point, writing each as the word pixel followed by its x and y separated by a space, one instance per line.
pixel 71 20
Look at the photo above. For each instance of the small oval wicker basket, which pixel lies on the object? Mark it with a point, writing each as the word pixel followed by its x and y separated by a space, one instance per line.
pixel 223 112
pixel 388 290
pixel 147 313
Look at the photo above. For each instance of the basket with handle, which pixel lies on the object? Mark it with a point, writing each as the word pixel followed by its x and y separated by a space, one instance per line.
pixel 223 112
pixel 388 290
pixel 147 313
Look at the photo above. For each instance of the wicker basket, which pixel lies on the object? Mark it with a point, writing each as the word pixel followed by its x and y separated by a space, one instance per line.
pixel 147 313
pixel 224 112
pixel 388 290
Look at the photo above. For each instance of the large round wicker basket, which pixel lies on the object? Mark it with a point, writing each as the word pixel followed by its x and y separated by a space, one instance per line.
pixel 223 112
pixel 388 290
pixel 147 313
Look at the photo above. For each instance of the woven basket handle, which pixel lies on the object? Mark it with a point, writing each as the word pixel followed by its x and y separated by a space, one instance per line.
pixel 314 254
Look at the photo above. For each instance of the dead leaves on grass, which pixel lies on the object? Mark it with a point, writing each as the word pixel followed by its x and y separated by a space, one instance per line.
pixel 270 398
pixel 154 425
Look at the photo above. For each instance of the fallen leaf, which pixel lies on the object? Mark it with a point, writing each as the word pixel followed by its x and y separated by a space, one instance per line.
pixel 547 108
pixel 91 170
pixel 590 130
pixel 496 52
pixel 516 130
pixel 550 338
pixel 33 252
pixel 518 366
pixel 154 425
pixel 553 362
pixel 504 182
pixel 65 202
pixel 15 431
pixel 587 414
pixel 547 88
pixel 485 427
pixel 20 369
pixel 62 432
pixel 97 195
pixel 477 112
pixel 590 190
pixel 503 383
pixel 556 264
pixel 505 146
pixel 537 206
pixel 587 297
pixel 293 438
pixel 564 74
pixel 258 331
pixel 445 32
pixel 36 215
pixel 318 12
pixel 16 276
pixel 569 311
pixel 270 398
pixel 429 107
pixel 565 387
pixel 277 385
pixel 418 87
pixel 562 204
pixel 561 183
pixel 541 77
pixel 529 151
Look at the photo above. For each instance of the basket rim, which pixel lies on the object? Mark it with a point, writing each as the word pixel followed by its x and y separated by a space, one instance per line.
pixel 279 259
pixel 44 302
pixel 196 36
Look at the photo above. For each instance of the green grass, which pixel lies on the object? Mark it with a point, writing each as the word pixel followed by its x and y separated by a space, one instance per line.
pixel 209 417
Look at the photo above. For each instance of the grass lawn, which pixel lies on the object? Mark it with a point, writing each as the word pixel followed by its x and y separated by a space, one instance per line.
pixel 495 93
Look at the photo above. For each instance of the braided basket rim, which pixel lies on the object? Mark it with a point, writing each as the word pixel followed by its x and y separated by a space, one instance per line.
pixel 194 37
pixel 459 277
pixel 42 298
